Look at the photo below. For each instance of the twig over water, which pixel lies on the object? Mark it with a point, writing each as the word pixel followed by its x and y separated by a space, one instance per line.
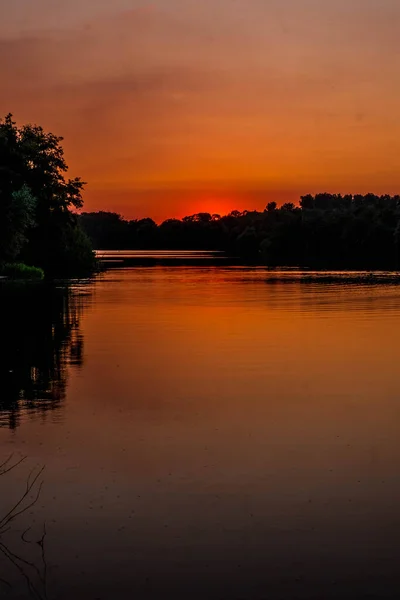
pixel 25 502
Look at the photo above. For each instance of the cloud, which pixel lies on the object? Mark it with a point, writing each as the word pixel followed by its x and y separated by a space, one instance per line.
pixel 241 90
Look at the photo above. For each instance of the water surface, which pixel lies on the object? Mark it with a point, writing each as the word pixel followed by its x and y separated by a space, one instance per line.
pixel 207 432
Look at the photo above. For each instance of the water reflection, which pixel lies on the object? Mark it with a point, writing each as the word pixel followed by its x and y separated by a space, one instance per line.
pixel 151 258
pixel 226 438
pixel 40 340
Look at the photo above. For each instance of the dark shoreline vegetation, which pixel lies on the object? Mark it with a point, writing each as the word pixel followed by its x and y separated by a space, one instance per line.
pixel 40 234
pixel 326 231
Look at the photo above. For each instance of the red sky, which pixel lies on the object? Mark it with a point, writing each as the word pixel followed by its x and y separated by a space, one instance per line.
pixel 175 106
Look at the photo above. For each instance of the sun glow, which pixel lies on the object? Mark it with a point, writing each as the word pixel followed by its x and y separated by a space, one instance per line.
pixel 214 205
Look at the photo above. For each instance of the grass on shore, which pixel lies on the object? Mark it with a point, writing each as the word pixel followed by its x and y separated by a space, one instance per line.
pixel 21 271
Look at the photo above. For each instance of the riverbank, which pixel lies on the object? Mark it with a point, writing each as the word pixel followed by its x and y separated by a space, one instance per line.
pixel 21 271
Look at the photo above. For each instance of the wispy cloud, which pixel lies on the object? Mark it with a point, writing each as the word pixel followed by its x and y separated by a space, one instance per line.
pixel 248 92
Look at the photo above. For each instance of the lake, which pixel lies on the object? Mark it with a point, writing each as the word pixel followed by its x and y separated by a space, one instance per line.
pixel 208 431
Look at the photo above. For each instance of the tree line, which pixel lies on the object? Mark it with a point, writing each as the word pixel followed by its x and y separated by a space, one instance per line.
pixel 40 226
pixel 323 231
pixel 38 221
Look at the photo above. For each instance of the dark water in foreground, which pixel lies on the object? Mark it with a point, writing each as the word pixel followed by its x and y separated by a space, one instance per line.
pixel 206 434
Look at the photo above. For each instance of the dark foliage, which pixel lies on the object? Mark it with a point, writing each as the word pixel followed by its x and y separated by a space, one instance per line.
pixel 38 224
pixel 324 231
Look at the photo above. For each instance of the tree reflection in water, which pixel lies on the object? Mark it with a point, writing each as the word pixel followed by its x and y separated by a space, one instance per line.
pixel 40 341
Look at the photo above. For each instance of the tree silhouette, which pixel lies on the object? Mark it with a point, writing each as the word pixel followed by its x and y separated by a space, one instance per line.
pixel 37 202
pixel 324 231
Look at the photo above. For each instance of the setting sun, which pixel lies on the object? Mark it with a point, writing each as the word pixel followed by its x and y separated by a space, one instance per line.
pixel 254 100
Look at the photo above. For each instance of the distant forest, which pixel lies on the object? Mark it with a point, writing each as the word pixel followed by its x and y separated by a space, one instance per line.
pixel 323 231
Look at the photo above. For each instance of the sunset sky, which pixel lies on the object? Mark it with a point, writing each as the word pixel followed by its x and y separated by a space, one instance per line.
pixel 171 107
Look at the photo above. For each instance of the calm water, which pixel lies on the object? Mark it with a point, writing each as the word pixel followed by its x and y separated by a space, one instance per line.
pixel 207 432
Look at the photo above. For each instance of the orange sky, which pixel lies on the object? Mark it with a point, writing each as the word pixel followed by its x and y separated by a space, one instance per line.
pixel 170 107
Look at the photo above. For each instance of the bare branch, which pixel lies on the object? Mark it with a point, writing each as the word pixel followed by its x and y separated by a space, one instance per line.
pixel 13 558
pixel 6 461
pixel 13 513
pixel 23 534
pixel 4 582
pixel 29 497
pixel 22 560
pixel 4 471
pixel 41 544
